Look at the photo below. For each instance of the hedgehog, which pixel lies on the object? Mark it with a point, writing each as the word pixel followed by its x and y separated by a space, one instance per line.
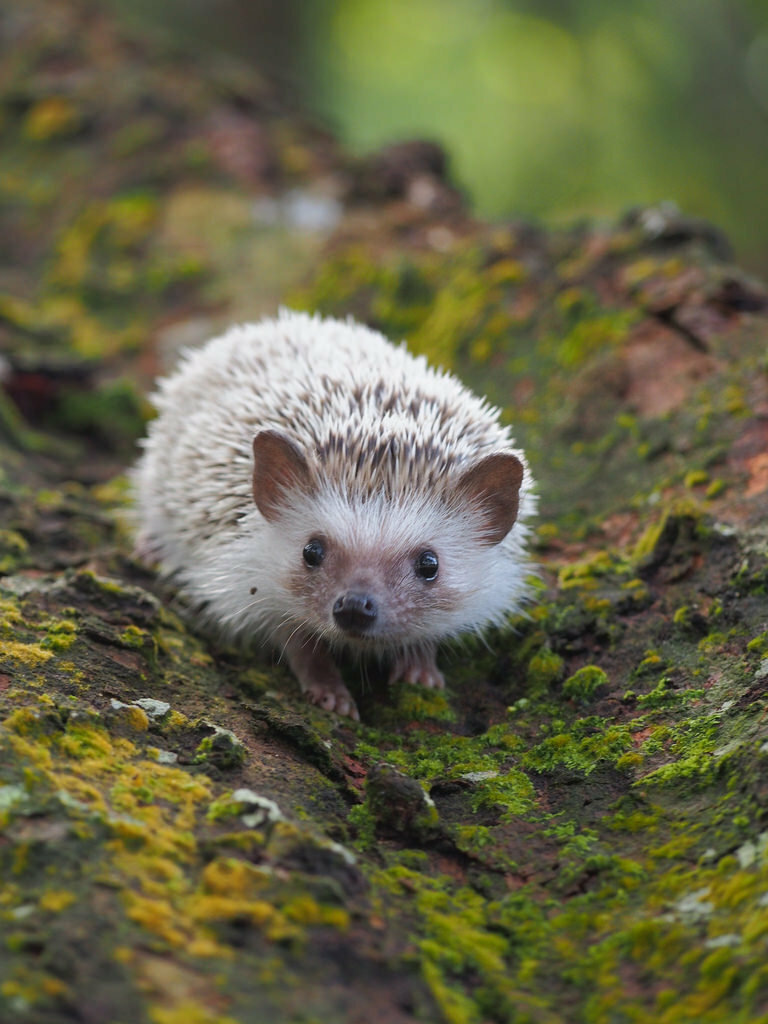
pixel 309 485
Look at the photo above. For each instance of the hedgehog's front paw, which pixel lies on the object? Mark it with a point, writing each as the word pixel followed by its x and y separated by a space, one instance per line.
pixel 332 697
pixel 419 669
pixel 318 675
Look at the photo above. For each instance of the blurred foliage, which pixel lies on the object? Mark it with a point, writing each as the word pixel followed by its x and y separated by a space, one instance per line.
pixel 553 109
pixel 562 108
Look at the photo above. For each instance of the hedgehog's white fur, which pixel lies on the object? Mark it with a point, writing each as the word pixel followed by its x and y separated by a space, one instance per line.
pixel 386 436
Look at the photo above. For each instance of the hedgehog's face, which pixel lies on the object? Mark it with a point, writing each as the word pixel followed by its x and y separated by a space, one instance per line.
pixel 383 572
pixel 360 581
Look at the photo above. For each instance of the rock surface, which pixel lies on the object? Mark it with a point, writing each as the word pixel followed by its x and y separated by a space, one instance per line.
pixel 582 817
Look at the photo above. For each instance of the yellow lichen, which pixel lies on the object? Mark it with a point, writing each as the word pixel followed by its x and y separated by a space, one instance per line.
pixel 307 911
pixel 28 751
pixel 156 916
pixel 188 1012
pixel 53 987
pixel 79 788
pixel 158 874
pixel 56 900
pixel 27 654
pixel 205 946
pixel 136 718
pixel 88 743
pixel 227 876
pixel 77 675
pixel 51 117
pixel 652 659
pixel 9 614
pixel 226 908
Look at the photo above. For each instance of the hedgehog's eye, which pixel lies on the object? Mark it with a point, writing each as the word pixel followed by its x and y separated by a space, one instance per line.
pixel 426 565
pixel 314 552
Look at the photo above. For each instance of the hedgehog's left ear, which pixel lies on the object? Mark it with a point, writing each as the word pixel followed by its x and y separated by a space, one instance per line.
pixel 493 485
pixel 279 467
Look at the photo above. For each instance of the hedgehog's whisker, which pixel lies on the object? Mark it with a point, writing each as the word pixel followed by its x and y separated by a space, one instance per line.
pixel 292 634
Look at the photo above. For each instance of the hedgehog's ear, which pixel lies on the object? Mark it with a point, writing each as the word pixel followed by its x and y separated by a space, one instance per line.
pixel 278 467
pixel 493 485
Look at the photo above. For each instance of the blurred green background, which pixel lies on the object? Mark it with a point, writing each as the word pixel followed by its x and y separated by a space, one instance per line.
pixel 549 109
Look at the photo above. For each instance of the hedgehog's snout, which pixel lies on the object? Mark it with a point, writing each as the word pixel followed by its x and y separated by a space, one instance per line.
pixel 355 612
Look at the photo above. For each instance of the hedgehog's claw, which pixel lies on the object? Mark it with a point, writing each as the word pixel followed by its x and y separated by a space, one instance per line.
pixel 347 707
pixel 419 669
pixel 336 698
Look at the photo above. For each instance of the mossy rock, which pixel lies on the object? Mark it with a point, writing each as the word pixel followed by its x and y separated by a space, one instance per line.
pixel 575 829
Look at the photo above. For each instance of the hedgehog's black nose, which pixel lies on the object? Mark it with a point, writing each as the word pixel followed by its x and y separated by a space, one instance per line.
pixel 355 612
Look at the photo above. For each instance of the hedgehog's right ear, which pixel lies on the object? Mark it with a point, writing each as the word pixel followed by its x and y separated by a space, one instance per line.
pixel 493 486
pixel 278 467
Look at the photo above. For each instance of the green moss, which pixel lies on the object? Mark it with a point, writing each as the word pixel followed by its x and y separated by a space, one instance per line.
pixel 134 637
pixel 680 524
pixel 454 945
pixel 591 336
pixel 546 533
pixel 636 820
pixel 60 636
pixel 696 478
pixel 544 669
pixel 363 821
pixel 584 684
pixel 419 703
pixel 245 804
pixel 88 580
pixel 586 573
pixel 694 741
pixel 713 642
pixel 510 793
pixel 683 616
pixel 735 400
pixel 716 488
pixel 751 580
pixel 400 804
pixel 637 593
pixel 473 838
pixel 220 748
pixel 13 551
pixel 591 742
pixel 455 1006
pixel 657 697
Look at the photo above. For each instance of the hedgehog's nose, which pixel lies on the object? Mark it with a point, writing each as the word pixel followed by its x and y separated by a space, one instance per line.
pixel 355 612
